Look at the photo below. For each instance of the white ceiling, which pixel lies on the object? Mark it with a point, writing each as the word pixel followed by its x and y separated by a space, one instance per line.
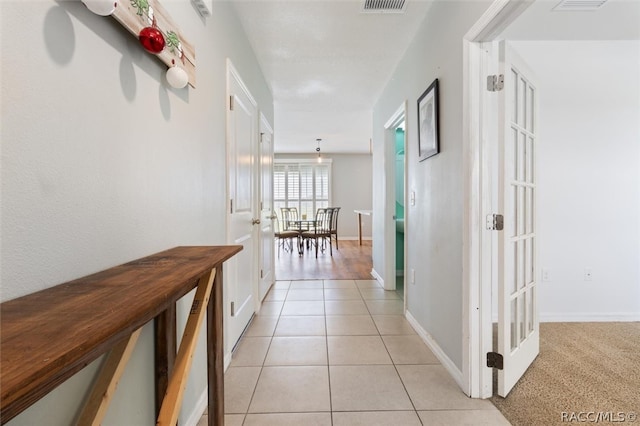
pixel 615 20
pixel 326 64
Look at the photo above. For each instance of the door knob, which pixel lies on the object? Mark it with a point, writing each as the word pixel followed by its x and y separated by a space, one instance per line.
pixel 255 221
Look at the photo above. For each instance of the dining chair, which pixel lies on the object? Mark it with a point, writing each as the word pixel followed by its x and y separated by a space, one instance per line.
pixel 284 237
pixel 289 215
pixel 321 232
pixel 334 225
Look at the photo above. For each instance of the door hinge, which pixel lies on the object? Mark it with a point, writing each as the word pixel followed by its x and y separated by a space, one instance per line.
pixel 261 274
pixel 233 309
pixel 261 137
pixel 231 102
pixel 495 83
pixel 495 360
pixel 495 222
pixel 231 205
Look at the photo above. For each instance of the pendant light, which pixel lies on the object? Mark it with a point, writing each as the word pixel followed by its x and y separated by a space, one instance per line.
pixel 318 150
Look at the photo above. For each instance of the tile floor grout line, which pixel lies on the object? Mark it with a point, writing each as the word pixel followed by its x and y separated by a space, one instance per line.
pixel 326 339
pixel 265 357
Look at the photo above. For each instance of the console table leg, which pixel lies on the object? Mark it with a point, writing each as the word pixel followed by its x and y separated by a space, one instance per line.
pixel 107 381
pixel 215 354
pixel 165 351
pixel 177 383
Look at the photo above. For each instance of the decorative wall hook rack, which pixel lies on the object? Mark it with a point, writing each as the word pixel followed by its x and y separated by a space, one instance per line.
pixel 150 22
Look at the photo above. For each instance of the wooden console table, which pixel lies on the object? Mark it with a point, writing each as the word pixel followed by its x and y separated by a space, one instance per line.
pixel 48 336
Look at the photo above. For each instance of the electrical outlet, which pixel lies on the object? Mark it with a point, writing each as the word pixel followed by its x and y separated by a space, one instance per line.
pixel 546 275
pixel 588 274
pixel 413 276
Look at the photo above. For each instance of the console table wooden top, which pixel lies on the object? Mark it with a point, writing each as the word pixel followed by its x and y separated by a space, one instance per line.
pixel 47 336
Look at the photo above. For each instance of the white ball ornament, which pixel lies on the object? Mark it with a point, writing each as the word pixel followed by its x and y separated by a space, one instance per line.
pixel 101 7
pixel 177 77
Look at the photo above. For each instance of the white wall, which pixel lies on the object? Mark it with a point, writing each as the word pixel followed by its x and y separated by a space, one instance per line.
pixel 351 189
pixel 434 236
pixel 589 177
pixel 102 163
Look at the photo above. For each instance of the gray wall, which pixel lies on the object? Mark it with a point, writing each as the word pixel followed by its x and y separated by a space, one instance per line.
pixel 351 189
pixel 434 239
pixel 103 163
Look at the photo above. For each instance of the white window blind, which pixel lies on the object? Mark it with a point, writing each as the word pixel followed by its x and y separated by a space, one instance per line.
pixel 303 185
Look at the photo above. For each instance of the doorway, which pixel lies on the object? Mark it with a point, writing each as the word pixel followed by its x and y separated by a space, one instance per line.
pixel 399 174
pixel 395 224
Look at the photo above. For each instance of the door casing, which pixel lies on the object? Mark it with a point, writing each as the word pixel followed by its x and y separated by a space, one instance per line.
pixel 478 242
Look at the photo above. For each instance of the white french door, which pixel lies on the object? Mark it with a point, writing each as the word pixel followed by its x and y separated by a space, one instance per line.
pixel 518 328
pixel 242 146
pixel 267 215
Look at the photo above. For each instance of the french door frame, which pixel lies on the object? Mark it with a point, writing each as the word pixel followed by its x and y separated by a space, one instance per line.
pixel 478 196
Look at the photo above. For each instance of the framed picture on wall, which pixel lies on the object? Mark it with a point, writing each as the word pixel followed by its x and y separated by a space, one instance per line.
pixel 428 133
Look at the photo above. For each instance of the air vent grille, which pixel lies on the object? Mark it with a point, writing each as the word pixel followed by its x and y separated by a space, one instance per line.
pixel 384 6
pixel 579 5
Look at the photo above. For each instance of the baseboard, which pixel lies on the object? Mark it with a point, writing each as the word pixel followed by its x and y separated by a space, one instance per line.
pixel 586 317
pixel 227 360
pixel 198 410
pixel 377 276
pixel 591 317
pixel 354 238
pixel 437 350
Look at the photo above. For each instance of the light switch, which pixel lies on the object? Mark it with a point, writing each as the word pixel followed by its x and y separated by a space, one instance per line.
pixel 412 198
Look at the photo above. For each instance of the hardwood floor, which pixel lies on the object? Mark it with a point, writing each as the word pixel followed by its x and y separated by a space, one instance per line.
pixel 351 261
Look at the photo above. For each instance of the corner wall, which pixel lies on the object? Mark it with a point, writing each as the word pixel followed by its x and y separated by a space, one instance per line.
pixel 103 163
pixel 434 236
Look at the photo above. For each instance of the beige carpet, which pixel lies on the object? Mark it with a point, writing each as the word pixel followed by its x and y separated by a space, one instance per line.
pixel 581 368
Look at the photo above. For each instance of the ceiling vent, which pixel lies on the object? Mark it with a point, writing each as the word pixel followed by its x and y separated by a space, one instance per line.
pixel 579 5
pixel 384 6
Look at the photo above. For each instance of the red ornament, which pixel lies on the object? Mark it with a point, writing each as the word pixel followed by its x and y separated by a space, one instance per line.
pixel 152 39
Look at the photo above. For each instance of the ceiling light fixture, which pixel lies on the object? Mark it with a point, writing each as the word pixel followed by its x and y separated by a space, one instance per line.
pixel 318 150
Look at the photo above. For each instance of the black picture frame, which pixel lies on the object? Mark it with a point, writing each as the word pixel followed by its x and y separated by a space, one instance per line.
pixel 428 128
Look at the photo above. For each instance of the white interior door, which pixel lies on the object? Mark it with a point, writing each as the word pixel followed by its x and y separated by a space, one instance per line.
pixel 267 215
pixel 518 330
pixel 242 135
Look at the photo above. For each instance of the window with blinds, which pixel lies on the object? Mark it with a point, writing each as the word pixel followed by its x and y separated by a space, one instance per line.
pixel 304 185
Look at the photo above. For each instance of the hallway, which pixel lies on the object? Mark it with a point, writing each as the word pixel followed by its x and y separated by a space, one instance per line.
pixel 339 352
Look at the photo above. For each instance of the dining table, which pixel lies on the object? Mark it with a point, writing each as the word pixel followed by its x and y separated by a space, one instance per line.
pixel 300 225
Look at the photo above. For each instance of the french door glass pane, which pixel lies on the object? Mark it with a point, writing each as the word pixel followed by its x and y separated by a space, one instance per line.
pixel 530 110
pixel 521 316
pixel 514 330
pixel 520 264
pixel 521 211
pixel 514 99
pixel 514 278
pixel 528 270
pixel 522 101
pixel 520 165
pixel 530 309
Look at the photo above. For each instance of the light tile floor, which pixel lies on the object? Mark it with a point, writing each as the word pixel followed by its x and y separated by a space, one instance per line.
pixel 341 353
